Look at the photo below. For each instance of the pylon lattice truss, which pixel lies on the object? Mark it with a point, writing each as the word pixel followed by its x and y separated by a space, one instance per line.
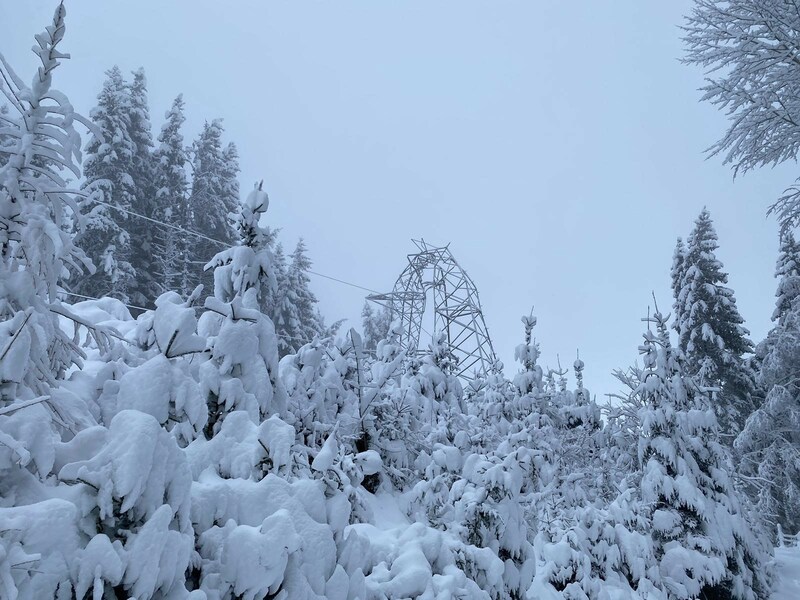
pixel 456 308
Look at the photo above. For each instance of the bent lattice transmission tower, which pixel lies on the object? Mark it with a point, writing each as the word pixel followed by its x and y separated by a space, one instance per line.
pixel 456 308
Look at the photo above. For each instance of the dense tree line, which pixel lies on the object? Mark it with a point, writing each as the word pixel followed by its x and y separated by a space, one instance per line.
pixel 191 188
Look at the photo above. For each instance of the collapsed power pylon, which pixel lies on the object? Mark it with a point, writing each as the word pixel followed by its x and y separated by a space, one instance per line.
pixel 456 308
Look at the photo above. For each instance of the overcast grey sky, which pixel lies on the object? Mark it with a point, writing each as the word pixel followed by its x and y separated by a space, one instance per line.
pixel 556 145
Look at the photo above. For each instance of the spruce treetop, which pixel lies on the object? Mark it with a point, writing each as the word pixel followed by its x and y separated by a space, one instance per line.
pixel 710 321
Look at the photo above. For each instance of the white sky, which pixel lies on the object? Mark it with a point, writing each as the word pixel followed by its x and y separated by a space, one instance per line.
pixel 557 146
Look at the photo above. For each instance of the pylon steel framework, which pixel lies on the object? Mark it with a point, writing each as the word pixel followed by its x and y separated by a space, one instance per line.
pixel 456 308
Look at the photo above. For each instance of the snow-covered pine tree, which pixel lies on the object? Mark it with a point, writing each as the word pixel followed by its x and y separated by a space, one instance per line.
pixel 368 327
pixel 247 265
pixel 255 531
pixel 390 422
pixel 38 529
pixel 576 408
pixel 704 546
pixel 230 177
pixel 375 324
pixel 592 532
pixel 329 331
pixel 164 386
pixel 534 417
pixel 269 298
pixel 603 551
pixel 569 483
pixel 242 373
pixel 787 272
pixel 171 187
pixel 489 401
pixel 298 322
pixel 273 304
pixel 439 394
pixel 677 272
pixel 310 324
pixel 489 510
pixel 582 441
pixel 142 172
pixel 37 252
pixel 6 142
pixel 529 381
pixel 711 331
pixel 769 444
pixel 287 318
pixel 471 480
pixel 135 487
pixel 622 429
pixel 208 205
pixel 107 170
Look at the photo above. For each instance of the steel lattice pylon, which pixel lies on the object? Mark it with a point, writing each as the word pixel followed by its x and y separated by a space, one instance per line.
pixel 456 308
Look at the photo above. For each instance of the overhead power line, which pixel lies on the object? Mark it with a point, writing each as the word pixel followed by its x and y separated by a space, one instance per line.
pixel 360 287
pixel 199 235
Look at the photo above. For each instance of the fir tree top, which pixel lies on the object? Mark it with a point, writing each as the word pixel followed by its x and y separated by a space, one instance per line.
pixel 709 321
pixel 106 154
pixel 139 126
pixel 170 155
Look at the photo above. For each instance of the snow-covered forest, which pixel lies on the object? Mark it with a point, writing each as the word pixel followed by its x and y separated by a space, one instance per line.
pixel 179 421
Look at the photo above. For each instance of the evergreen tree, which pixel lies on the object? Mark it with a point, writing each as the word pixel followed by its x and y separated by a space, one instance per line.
pixel 711 332
pixel 392 428
pixel 787 272
pixel 310 323
pixel 140 128
pixel 275 302
pixel 703 544
pixel 242 373
pixel 107 169
pixel 152 502
pixel 677 272
pixel 268 299
pixel 490 513
pixel 623 426
pixel 36 255
pixel 576 408
pixel 209 203
pixel 6 141
pixel 142 172
pixel 36 252
pixel 375 324
pixel 298 322
pixel 287 317
pixel 534 420
pixel 230 178
pixel 171 195
pixel 488 397
pixel 769 444
pixel 439 397
pixel 247 265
